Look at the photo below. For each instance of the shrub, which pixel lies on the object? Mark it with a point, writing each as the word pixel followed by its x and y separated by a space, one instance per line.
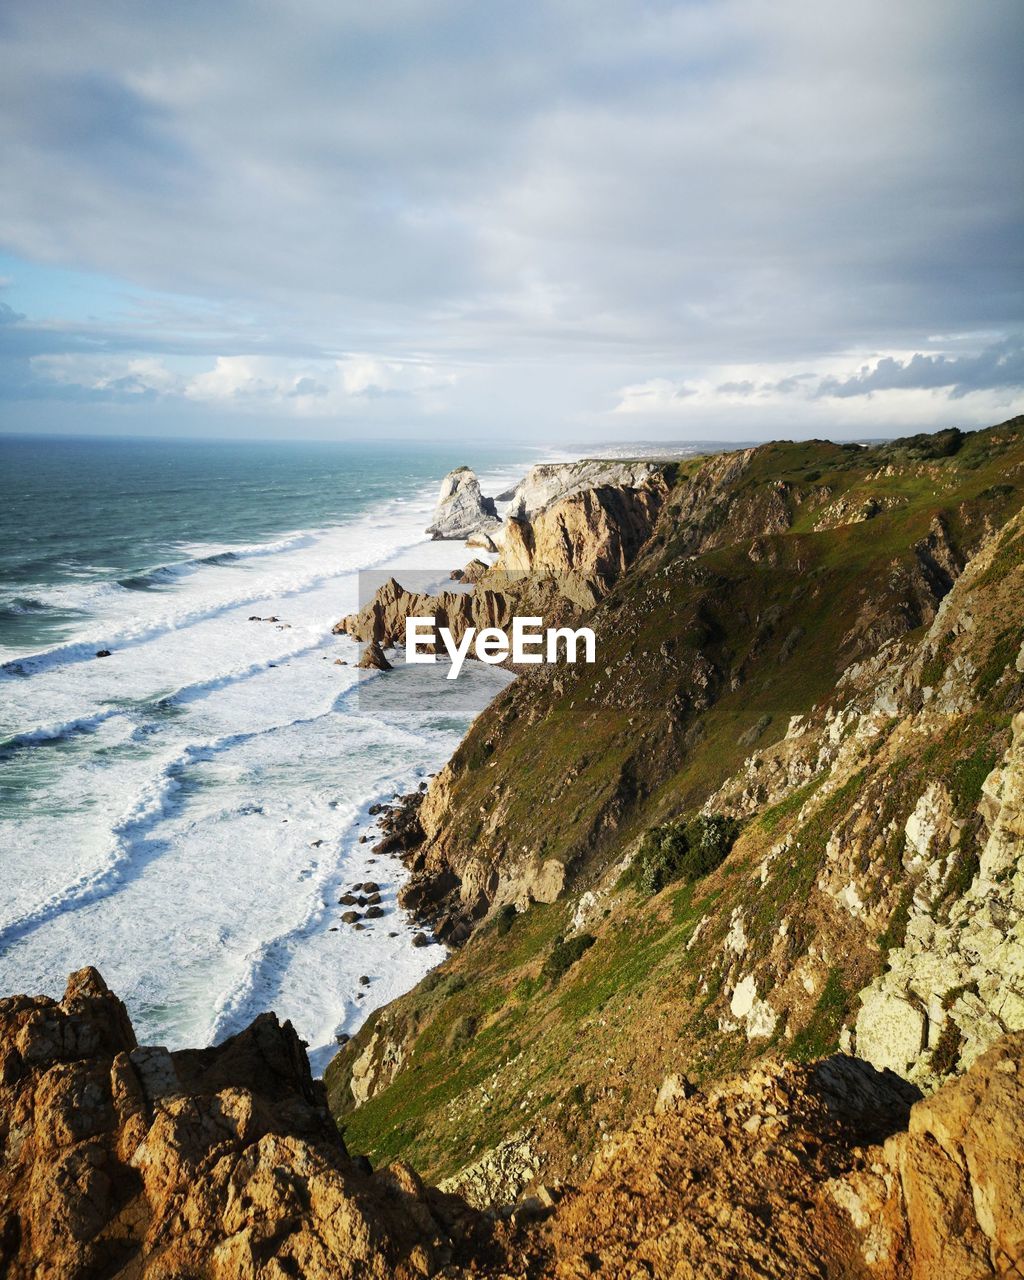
pixel 564 955
pixel 660 857
pixel 462 1032
pixel 710 837
pixel 946 1053
pixel 677 852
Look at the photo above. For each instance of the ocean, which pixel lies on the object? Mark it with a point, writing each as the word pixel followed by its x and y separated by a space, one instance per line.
pixel 185 813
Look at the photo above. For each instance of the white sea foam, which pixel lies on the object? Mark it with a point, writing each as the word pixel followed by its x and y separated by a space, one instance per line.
pixel 189 809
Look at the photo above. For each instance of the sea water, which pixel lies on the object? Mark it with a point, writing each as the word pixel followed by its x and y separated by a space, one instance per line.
pixel 185 813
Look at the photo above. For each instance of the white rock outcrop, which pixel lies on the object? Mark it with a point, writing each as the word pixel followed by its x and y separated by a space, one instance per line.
pixel 462 510
pixel 550 482
pixel 969 969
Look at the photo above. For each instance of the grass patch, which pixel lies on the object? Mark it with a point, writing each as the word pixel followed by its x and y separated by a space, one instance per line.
pixel 775 814
pixel 820 1036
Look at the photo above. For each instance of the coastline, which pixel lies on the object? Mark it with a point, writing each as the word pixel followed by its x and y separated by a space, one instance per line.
pixel 282 683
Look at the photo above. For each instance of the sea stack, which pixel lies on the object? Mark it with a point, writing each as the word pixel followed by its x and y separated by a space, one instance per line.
pixel 373 658
pixel 462 509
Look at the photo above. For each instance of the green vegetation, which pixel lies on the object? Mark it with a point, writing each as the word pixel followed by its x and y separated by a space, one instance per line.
pixel 719 630
pixel 895 932
pixel 946 1053
pixel 682 852
pixel 820 1035
pixel 775 814
pixel 564 955
pixel 967 778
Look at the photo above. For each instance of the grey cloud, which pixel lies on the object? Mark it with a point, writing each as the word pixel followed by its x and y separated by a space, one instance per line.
pixel 742 388
pixel 308 387
pixel 998 365
pixel 596 187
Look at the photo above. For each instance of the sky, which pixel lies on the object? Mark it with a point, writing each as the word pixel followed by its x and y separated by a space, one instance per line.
pixel 560 221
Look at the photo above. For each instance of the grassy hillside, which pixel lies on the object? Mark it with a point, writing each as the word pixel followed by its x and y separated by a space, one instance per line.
pixel 758 591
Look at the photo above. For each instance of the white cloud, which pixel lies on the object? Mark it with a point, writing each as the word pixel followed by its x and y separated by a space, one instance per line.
pixel 319 388
pixel 554 200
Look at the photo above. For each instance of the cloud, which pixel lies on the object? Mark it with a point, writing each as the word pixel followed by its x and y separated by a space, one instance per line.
pixel 517 211
pixel 250 383
pixel 898 391
pixel 999 365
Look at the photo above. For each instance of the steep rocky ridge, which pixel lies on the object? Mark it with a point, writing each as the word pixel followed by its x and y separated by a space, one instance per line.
pixel 822 645
pixel 837 690
pixel 123 1161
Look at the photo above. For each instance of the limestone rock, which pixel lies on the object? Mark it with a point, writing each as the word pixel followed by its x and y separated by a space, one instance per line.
pixel 461 508
pixel 968 970
pixel 498 1178
pixel 550 482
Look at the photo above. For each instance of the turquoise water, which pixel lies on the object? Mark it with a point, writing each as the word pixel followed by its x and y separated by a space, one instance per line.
pixel 185 813
pixel 77 515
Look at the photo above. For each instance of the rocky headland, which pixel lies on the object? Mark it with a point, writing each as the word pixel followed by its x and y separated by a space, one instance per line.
pixel 736 923
pixel 572 529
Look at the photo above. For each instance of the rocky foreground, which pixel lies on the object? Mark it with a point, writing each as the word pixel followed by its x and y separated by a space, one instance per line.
pixel 121 1161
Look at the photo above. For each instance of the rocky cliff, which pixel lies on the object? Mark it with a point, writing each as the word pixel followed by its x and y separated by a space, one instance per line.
pixel 780 815
pixel 554 564
pixel 739 917
pixel 118 1161
pixel 122 1161
pixel 551 482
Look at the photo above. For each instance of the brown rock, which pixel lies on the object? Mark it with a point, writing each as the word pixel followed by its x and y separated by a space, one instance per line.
pixel 217 1163
pixel 373 657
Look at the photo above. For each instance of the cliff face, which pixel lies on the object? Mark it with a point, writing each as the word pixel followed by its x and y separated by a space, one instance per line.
pixel 780 817
pixel 781 813
pixel 125 1162
pixel 551 482
pixel 552 565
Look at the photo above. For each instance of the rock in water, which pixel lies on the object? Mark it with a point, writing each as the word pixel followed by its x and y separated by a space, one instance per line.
pixel 461 508
pixel 373 657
